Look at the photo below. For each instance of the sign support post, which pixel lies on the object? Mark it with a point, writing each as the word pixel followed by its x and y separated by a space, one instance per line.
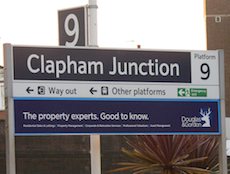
pixel 95 145
pixel 10 138
pixel 222 146
pixel 92 23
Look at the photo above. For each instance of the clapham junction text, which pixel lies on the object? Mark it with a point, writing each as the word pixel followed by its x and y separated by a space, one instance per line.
pixel 150 67
pixel 102 65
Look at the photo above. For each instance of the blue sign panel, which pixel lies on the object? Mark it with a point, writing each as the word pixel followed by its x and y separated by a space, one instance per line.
pixel 116 117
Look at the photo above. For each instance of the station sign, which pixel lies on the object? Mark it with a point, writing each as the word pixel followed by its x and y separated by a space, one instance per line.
pixel 85 64
pixel 72 25
pixel 60 90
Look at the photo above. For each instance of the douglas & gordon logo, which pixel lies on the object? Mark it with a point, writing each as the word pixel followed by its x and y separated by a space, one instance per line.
pixel 202 120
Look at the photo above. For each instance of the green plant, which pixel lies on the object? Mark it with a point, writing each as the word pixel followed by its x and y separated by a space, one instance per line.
pixel 170 154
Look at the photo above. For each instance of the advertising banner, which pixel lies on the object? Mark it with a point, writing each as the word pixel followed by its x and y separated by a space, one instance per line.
pixel 121 117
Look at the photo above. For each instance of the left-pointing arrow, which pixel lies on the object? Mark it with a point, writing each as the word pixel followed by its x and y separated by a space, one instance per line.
pixel 29 90
pixel 181 92
pixel 92 90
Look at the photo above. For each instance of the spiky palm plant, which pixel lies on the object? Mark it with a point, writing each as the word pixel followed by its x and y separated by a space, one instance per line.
pixel 170 154
pixel 210 150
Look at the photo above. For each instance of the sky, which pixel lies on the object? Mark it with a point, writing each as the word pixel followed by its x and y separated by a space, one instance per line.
pixel 153 24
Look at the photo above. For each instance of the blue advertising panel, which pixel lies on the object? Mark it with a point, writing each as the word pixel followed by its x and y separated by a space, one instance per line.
pixel 116 116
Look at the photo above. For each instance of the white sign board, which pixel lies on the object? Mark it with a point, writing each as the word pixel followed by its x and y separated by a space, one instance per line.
pixel 105 73
pixel 63 90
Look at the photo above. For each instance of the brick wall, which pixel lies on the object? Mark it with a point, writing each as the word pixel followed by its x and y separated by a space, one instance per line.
pixel 217 7
pixel 53 155
pixel 2 148
pixel 48 155
pixel 218 36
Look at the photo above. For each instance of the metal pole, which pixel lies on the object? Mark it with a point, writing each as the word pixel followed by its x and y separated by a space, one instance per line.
pixel 10 138
pixel 222 146
pixel 92 23
pixel 95 148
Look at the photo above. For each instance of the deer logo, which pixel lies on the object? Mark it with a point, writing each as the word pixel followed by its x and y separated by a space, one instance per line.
pixel 206 117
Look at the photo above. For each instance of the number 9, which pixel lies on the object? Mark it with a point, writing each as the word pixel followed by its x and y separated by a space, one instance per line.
pixel 72 32
pixel 204 68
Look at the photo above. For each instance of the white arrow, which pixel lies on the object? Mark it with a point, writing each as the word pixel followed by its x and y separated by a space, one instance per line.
pixel 181 92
